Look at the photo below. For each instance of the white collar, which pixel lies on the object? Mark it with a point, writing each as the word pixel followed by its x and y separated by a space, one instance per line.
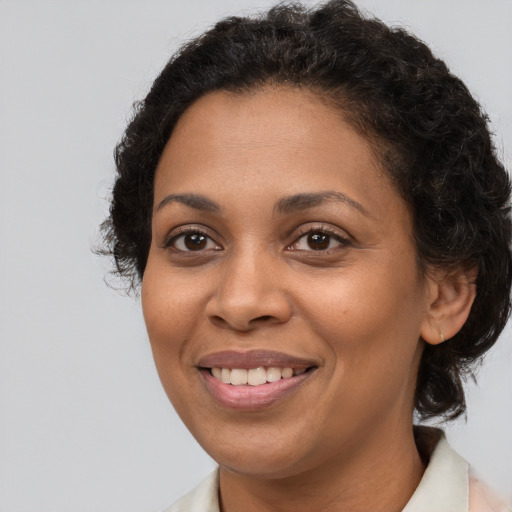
pixel 444 487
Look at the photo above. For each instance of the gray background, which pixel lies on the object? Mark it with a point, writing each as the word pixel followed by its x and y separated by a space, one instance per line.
pixel 84 424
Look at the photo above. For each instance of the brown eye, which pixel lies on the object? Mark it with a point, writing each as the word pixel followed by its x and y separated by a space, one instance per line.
pixel 193 241
pixel 319 241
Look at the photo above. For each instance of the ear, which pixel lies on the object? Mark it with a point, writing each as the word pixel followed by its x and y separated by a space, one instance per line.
pixel 450 297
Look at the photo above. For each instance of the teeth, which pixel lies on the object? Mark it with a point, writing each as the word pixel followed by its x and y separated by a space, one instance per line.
pixel 287 373
pixel 225 375
pixel 254 376
pixel 273 374
pixel 238 377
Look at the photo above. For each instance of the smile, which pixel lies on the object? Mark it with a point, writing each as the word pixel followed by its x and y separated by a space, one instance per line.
pixel 253 380
pixel 254 376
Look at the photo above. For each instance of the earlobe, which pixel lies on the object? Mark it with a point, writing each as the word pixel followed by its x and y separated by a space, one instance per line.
pixel 451 296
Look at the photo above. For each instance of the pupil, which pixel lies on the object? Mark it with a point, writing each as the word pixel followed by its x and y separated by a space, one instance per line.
pixel 195 241
pixel 318 241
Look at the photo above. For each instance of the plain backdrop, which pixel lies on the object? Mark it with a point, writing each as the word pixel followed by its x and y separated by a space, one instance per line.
pixel 84 424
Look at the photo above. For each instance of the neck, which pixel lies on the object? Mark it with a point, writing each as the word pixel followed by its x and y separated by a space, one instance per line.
pixel 382 475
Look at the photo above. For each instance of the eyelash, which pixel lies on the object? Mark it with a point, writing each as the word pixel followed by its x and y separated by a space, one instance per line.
pixel 183 232
pixel 321 230
pixel 171 241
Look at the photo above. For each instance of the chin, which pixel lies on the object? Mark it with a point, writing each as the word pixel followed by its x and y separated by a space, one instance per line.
pixel 265 468
pixel 263 455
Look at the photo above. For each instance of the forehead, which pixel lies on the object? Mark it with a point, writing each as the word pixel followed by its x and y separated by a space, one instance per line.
pixel 276 104
pixel 273 142
pixel 273 115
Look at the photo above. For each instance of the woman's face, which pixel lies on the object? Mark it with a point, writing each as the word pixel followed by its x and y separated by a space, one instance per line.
pixel 280 247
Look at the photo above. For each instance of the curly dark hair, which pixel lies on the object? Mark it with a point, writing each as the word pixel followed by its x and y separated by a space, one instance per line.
pixel 428 131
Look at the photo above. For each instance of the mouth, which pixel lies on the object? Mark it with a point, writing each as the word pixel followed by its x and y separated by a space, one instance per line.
pixel 253 380
pixel 255 376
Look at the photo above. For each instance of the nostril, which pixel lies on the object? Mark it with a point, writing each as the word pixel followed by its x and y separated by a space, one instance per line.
pixel 217 319
pixel 263 318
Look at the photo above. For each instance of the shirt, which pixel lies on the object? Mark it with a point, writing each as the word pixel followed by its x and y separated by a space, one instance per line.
pixel 448 485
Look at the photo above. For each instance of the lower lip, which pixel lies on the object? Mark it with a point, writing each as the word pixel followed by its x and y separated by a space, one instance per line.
pixel 252 398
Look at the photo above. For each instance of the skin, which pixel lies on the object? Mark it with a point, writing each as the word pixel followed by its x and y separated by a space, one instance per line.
pixel 360 309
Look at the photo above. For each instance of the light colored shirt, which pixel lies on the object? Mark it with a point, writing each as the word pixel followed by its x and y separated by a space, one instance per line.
pixel 448 485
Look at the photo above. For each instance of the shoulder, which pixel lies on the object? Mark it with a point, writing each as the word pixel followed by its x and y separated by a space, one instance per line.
pixel 204 498
pixel 449 484
pixel 484 499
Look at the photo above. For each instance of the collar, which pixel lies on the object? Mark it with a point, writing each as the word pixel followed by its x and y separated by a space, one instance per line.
pixel 443 488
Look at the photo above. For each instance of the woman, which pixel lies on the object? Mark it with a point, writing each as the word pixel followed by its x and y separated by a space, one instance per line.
pixel 314 209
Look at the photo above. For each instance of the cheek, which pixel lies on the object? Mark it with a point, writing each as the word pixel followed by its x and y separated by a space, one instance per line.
pixel 170 300
pixel 371 319
pixel 168 307
pixel 169 304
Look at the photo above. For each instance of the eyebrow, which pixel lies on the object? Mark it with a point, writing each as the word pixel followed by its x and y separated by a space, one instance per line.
pixel 195 201
pixel 299 202
pixel 288 204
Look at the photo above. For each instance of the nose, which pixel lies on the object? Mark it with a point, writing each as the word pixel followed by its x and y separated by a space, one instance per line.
pixel 249 294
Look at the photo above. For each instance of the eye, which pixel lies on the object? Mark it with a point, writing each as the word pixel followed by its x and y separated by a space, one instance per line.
pixel 192 241
pixel 319 240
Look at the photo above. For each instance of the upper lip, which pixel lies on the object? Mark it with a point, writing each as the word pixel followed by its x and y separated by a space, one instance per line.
pixel 254 359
